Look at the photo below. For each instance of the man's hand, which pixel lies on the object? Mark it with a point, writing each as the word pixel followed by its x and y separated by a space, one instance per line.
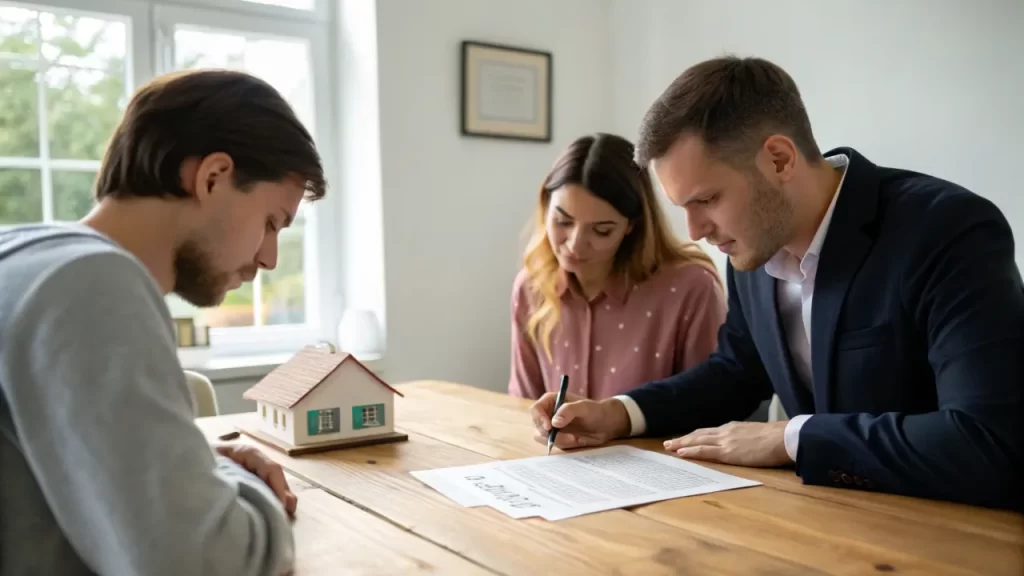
pixel 754 444
pixel 581 422
pixel 267 470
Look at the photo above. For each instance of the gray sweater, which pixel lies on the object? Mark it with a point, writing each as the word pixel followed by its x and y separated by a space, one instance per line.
pixel 102 469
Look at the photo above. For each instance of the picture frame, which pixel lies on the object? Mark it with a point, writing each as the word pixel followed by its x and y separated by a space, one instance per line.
pixel 506 92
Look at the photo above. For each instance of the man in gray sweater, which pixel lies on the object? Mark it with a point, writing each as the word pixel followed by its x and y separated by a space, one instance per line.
pixel 102 470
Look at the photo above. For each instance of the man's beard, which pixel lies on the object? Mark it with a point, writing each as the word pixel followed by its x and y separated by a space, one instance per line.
pixel 771 221
pixel 195 279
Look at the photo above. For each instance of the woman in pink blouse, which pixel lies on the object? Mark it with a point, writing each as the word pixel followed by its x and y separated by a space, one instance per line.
pixel 607 295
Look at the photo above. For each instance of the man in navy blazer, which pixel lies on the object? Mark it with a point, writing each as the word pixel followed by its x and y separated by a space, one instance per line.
pixel 883 306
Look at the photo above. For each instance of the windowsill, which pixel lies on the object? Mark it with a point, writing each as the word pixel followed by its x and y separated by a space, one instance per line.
pixel 256 366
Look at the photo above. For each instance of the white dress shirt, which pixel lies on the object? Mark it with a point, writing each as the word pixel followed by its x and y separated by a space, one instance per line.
pixel 795 279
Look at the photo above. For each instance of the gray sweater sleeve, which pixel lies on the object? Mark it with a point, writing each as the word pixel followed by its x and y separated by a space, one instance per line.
pixel 103 413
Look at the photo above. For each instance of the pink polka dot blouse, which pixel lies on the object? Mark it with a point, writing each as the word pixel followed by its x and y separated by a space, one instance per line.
pixel 627 335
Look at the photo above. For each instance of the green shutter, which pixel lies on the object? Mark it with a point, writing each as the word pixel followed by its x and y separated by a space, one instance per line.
pixel 312 422
pixel 357 417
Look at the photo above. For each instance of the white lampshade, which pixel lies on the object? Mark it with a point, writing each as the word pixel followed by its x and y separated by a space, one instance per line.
pixel 359 333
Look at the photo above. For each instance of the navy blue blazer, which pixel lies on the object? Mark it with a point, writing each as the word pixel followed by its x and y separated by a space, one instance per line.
pixel 917 343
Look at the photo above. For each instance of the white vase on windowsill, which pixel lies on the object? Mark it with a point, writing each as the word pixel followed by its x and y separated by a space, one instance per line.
pixel 359 334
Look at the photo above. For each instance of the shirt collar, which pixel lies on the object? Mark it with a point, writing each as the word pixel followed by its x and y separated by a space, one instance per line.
pixel 784 265
pixel 617 287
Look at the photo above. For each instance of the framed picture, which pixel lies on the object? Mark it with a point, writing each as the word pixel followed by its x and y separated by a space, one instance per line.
pixel 506 92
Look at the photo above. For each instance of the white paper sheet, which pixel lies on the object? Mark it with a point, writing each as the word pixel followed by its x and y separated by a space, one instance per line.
pixel 566 485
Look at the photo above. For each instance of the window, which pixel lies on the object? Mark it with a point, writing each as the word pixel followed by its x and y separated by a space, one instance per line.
pixel 67 71
pixel 275 416
pixel 65 84
pixel 369 416
pixel 277 297
pixel 284 421
pixel 280 308
pixel 325 421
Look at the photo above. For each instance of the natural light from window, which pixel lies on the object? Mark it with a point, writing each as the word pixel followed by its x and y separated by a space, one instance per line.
pixel 278 296
pixel 64 87
pixel 66 74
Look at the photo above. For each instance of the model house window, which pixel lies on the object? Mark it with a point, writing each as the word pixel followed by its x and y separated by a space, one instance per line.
pixel 284 421
pixel 326 421
pixel 264 412
pixel 275 416
pixel 368 416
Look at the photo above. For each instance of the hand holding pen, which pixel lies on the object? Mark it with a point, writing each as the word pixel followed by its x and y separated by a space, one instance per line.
pixel 559 400
pixel 576 421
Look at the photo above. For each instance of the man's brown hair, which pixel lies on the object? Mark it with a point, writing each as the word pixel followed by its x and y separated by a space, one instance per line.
pixel 197 113
pixel 732 104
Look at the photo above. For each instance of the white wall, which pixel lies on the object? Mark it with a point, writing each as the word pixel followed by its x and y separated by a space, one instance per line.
pixel 454 208
pixel 359 235
pixel 929 85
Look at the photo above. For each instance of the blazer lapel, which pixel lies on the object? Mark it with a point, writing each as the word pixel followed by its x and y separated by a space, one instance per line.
pixel 846 244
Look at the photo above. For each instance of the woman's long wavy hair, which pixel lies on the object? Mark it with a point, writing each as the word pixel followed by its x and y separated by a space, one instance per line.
pixel 603 164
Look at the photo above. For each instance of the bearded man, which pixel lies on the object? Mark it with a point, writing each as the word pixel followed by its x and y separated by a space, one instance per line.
pixel 104 471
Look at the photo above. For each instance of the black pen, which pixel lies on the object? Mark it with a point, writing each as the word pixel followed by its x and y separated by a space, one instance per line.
pixel 558 404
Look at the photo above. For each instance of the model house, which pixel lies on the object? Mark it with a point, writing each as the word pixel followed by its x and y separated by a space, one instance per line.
pixel 319 398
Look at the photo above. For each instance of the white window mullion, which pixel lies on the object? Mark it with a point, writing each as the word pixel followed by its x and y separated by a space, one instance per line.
pixel 26 163
pixel 164 46
pixel 75 165
pixel 257 299
pixel 23 59
pixel 45 176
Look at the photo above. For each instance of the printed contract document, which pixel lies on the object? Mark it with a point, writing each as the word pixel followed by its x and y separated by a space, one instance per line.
pixel 565 485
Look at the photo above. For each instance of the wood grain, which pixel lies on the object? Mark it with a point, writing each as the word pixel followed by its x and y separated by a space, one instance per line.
pixel 377 479
pixel 783 527
pixel 841 539
pixel 883 529
pixel 334 537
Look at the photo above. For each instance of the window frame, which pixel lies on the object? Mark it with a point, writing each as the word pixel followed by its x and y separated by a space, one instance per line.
pixel 149 53
pixel 44 162
pixel 260 340
pixel 319 13
pixel 330 415
pixel 363 412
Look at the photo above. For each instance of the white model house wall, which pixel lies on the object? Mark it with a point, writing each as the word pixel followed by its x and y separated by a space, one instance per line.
pixel 348 386
pixel 278 422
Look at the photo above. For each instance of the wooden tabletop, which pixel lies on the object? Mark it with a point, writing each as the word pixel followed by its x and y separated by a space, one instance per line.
pixel 361 512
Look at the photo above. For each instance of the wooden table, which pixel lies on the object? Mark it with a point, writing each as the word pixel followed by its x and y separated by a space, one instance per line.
pixel 361 512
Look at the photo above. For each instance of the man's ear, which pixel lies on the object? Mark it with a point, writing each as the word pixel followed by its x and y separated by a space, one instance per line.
pixel 206 174
pixel 780 155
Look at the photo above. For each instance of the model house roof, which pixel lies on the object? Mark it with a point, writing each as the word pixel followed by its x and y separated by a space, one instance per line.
pixel 289 383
